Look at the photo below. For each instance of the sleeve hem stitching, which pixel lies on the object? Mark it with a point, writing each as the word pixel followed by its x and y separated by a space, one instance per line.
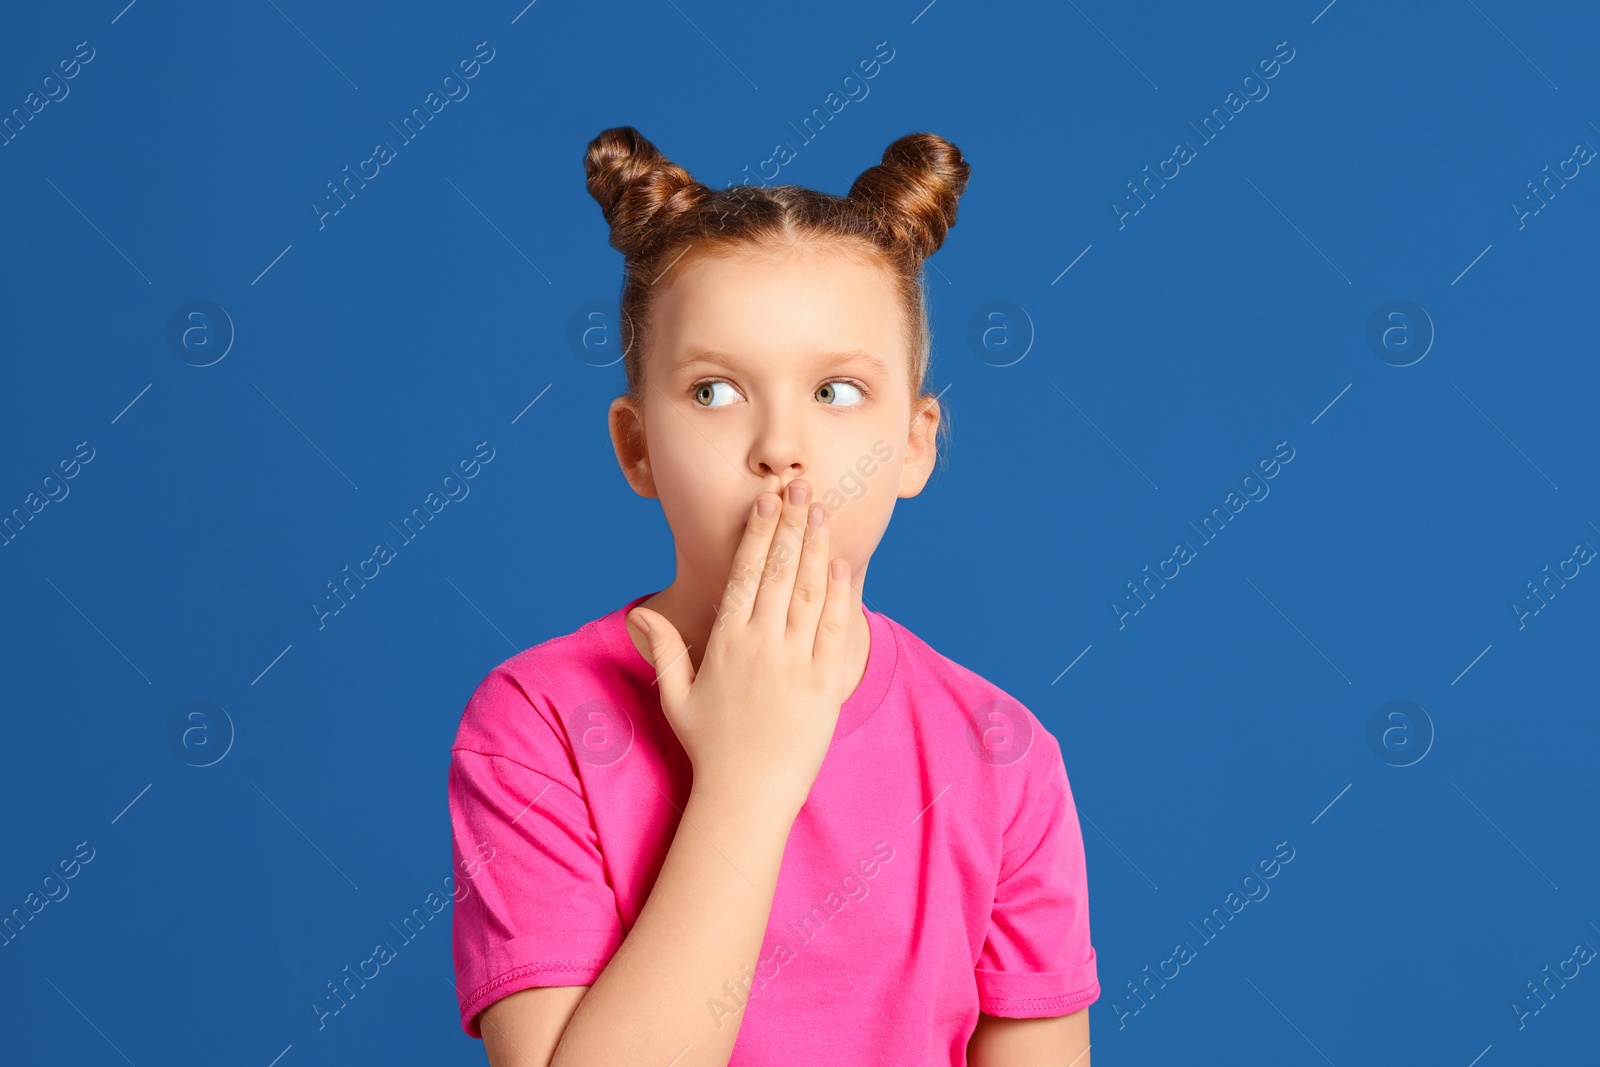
pixel 533 968
pixel 998 1005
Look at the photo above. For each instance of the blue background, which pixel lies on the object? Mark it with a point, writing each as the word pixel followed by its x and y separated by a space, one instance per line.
pixel 1230 313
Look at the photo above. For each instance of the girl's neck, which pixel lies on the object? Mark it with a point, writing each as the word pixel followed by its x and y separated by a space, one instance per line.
pixel 694 615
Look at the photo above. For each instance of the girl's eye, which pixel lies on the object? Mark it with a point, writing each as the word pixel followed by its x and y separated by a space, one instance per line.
pixel 850 389
pixel 706 392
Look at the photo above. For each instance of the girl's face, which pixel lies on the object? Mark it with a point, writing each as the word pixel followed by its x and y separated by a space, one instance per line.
pixel 767 367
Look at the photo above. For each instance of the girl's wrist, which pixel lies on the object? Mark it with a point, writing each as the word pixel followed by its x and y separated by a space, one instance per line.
pixel 747 805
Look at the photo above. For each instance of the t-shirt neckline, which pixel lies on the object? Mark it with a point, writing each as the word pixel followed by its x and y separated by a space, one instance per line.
pixel 883 660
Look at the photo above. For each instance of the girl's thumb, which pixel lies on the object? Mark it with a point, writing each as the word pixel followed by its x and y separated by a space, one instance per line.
pixel 674 672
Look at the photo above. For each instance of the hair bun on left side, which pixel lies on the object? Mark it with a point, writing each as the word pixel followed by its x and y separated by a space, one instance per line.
pixel 639 190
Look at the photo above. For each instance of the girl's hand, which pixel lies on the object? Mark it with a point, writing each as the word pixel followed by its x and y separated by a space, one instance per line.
pixel 757 718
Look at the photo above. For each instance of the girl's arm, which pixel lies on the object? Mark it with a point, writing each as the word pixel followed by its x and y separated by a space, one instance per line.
pixel 521 1030
pixel 755 720
pixel 1062 1041
pixel 702 925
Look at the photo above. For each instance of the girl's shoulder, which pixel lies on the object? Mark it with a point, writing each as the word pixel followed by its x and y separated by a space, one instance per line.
pixel 1000 729
pixel 531 695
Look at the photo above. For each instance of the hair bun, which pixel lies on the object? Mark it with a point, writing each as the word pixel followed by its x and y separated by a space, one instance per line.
pixel 639 190
pixel 913 193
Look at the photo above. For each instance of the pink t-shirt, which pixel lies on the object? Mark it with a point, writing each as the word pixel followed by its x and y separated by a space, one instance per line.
pixel 936 869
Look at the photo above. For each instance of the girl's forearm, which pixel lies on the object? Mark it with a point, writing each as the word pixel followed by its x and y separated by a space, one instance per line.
pixel 702 926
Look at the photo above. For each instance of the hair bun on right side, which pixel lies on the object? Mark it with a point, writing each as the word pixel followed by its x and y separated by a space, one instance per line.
pixel 913 193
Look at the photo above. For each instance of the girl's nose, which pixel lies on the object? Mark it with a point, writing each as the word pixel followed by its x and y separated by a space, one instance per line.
pixel 778 451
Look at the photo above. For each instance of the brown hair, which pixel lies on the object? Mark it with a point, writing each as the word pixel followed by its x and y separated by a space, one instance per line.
pixel 896 214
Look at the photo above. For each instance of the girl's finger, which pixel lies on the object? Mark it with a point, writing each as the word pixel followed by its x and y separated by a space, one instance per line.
pixel 674 671
pixel 739 595
pixel 811 577
pixel 834 622
pixel 777 582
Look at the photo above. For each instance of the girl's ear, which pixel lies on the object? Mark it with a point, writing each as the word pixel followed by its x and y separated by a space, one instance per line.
pixel 921 448
pixel 626 422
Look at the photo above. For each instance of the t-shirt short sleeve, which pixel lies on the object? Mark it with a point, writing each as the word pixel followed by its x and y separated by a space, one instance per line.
pixel 533 906
pixel 1037 960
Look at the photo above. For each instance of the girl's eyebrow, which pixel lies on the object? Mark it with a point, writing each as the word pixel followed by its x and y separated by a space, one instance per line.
pixel 724 359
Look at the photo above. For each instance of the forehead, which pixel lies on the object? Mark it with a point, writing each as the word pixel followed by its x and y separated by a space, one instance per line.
pixel 767 305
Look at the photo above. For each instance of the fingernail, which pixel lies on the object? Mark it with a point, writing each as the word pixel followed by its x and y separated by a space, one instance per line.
pixel 638 621
pixel 766 505
pixel 799 492
pixel 816 517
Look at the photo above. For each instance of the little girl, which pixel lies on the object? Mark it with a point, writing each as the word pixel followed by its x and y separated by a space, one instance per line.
pixel 744 819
